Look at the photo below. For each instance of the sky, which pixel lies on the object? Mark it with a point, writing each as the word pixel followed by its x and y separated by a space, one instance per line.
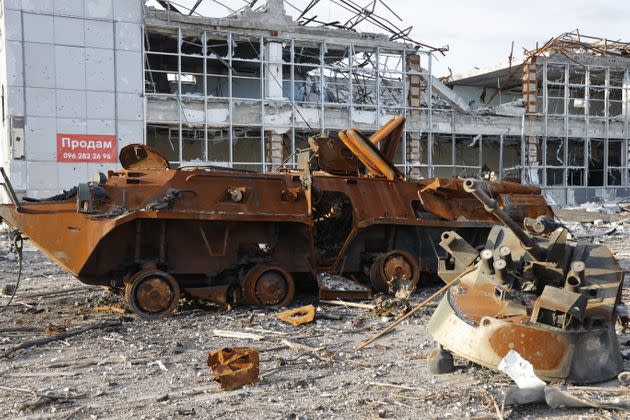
pixel 479 33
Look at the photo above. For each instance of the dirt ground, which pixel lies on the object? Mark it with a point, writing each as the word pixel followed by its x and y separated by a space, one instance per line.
pixel 157 369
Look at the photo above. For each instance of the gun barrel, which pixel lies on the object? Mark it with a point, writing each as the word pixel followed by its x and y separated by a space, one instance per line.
pixel 472 186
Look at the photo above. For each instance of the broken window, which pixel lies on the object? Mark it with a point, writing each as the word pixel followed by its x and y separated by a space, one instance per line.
pixel 555 100
pixel 443 155
pixel 597 101
pixel 615 152
pixel 491 155
pixel 555 151
pixel 193 146
pixel 247 148
pixel 577 74
pixel 512 158
pixel 596 163
pixel 577 104
pixel 467 155
pixel 556 73
pixel 615 102
pixel 164 139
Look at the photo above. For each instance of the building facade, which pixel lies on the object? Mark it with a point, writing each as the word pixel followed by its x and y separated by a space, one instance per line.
pixel 83 78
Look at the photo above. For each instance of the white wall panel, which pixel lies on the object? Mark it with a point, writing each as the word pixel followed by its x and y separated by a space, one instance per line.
pixel 42 176
pixel 130 132
pixel 70 64
pixel 71 126
pixel 71 173
pixel 99 34
pixel 41 6
pixel 130 106
pixel 101 105
pixel 71 103
pixel 41 139
pixel 14 62
pixel 38 28
pixel 69 31
pixel 69 7
pixel 100 69
pixel 15 102
pixel 128 36
pixel 40 65
pixel 101 127
pixel 40 102
pixel 128 10
pixel 13 25
pixel 129 75
pixel 99 9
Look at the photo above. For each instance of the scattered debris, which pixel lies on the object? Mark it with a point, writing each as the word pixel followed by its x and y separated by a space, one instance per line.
pixel 60 336
pixel 587 397
pixel 390 306
pixel 234 367
pixel 340 302
pixel 298 316
pixel 237 334
pixel 530 389
pixel 115 309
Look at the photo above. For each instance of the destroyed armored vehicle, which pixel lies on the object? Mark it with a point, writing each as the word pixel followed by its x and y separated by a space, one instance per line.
pixel 552 300
pixel 232 236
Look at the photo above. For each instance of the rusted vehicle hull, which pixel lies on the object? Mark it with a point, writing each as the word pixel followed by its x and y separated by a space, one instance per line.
pixel 233 236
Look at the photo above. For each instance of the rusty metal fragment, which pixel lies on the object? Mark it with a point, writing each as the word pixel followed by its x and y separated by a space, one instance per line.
pixel 234 367
pixel 298 316
pixel 552 301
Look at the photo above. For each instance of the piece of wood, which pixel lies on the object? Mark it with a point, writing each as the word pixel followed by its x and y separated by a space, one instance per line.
pixel 261 330
pixel 410 388
pixel 59 292
pixel 116 309
pixel 416 309
pixel 60 336
pixel 237 334
pixel 340 302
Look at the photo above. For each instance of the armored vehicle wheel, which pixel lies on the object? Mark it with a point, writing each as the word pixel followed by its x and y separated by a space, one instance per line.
pixel 268 286
pixel 152 294
pixel 394 265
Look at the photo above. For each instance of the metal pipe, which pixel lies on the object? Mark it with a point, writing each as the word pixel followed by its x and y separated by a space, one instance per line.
pixel 575 276
pixel 472 186
pixel 500 270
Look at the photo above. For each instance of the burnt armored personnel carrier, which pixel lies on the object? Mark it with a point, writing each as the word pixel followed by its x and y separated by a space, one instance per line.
pixel 233 236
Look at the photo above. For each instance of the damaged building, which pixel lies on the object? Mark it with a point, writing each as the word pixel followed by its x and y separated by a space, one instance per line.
pixel 247 91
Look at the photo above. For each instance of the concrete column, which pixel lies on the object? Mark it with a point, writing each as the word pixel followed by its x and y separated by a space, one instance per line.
pixel 414 145
pixel 414 152
pixel 274 150
pixel 273 71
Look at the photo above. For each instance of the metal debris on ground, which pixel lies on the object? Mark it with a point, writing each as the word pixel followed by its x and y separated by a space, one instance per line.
pixel 387 306
pixel 530 388
pixel 234 367
pixel 298 316
pixel 552 301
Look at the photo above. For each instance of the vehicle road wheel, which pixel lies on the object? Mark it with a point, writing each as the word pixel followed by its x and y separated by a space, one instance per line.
pixel 152 294
pixel 395 265
pixel 266 285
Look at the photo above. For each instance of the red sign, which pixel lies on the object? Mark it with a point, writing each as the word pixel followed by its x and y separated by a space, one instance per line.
pixel 86 148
